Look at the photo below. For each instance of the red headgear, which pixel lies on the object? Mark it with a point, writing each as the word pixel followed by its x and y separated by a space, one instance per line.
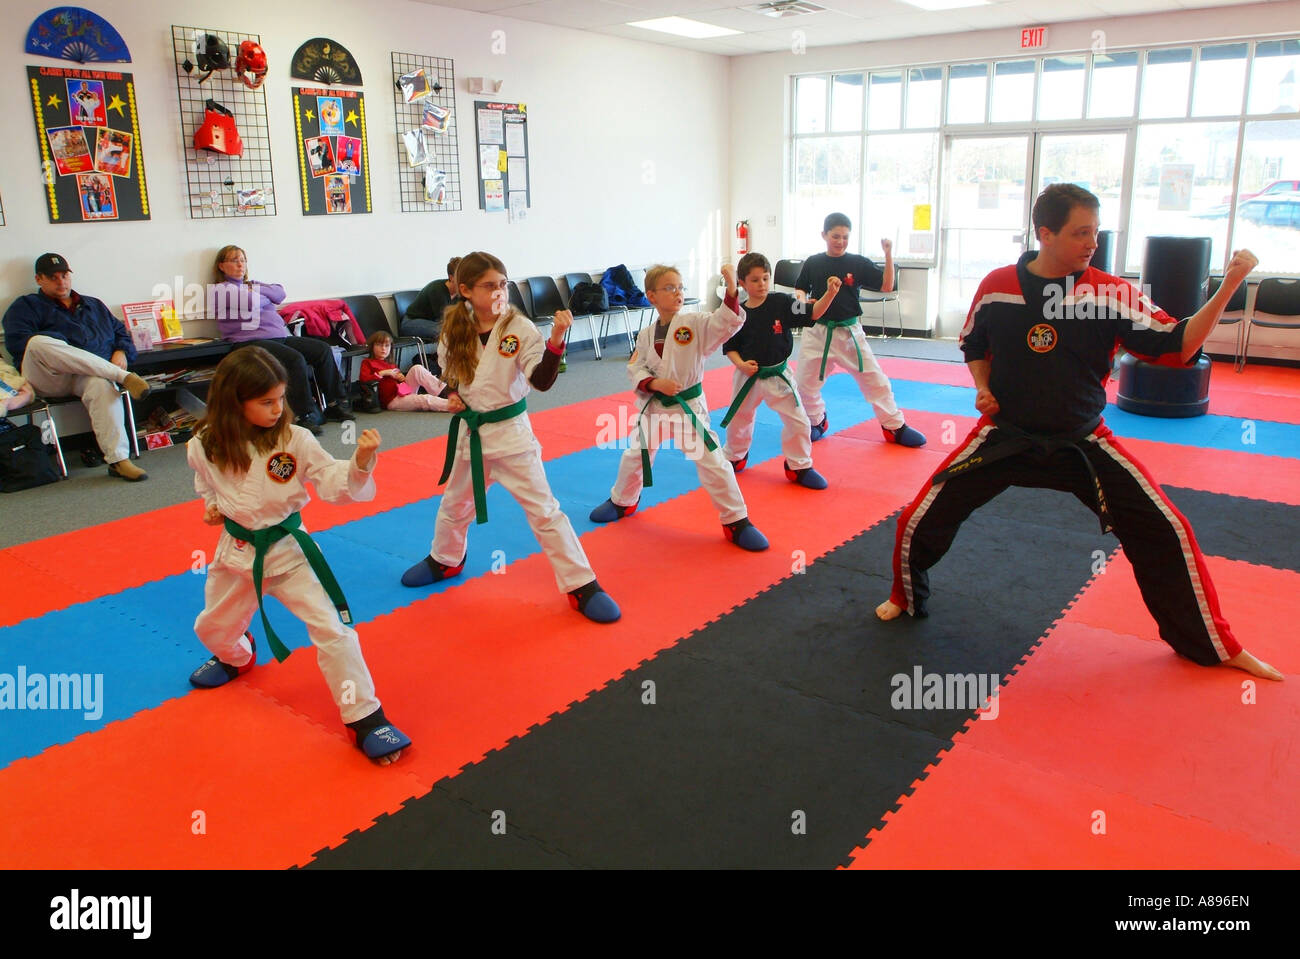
pixel 250 65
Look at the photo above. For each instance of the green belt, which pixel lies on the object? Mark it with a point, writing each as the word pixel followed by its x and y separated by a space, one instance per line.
pixel 764 373
pixel 262 540
pixel 690 393
pixel 472 422
pixel 831 327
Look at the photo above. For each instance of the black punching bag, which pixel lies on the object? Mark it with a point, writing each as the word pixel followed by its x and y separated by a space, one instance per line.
pixel 1104 258
pixel 1174 275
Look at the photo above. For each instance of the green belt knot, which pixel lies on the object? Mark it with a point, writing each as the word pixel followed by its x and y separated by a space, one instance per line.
pixel 831 327
pixel 764 373
pixel 473 420
pixel 680 399
pixel 264 539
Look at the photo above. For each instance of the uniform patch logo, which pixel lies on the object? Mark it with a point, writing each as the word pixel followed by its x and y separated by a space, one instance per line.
pixel 683 335
pixel 281 467
pixel 509 345
pixel 1042 338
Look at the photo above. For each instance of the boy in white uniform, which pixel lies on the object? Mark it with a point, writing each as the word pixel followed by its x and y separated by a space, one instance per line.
pixel 667 370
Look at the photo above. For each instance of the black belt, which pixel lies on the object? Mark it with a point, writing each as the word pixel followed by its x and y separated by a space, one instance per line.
pixel 1019 441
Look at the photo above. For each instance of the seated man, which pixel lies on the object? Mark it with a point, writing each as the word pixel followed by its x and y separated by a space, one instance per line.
pixel 423 318
pixel 67 344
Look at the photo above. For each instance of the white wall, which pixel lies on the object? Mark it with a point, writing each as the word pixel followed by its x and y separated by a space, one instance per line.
pixel 627 141
pixel 760 90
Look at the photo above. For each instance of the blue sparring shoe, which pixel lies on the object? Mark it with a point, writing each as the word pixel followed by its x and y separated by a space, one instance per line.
pixel 609 511
pixel 377 737
pixel 738 466
pixel 808 477
pixel 745 535
pixel 819 429
pixel 904 436
pixel 215 673
pixel 429 571
pixel 594 603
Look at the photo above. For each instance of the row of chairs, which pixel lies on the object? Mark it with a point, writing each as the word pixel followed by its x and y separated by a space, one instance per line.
pixel 1276 306
pixel 539 298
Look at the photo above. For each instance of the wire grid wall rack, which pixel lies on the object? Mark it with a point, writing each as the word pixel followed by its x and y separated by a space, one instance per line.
pixel 213 180
pixel 443 150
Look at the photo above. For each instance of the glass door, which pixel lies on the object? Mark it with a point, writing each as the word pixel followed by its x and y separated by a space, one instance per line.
pixel 986 216
pixel 990 184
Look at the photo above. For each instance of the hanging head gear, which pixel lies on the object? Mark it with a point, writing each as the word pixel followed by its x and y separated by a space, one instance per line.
pixel 210 54
pixel 218 132
pixel 250 65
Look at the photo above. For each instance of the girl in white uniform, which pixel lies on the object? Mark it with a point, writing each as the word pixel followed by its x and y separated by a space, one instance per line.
pixel 491 355
pixel 250 467
pixel 667 371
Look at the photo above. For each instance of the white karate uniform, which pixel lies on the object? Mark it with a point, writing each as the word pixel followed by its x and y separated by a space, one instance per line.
pixel 691 338
pixel 871 381
pixel 271 491
pixel 511 456
pixel 796 441
pixel 56 368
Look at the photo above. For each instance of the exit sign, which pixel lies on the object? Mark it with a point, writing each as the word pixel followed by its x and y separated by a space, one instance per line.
pixel 1033 37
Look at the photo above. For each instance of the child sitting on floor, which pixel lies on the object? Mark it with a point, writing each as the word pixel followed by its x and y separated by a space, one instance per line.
pixel 398 391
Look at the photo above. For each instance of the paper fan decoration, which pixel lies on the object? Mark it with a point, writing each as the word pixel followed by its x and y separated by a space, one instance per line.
pixel 72 33
pixel 324 61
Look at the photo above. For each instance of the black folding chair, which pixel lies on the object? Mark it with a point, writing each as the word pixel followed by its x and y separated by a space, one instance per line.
pixel 547 301
pixel 573 279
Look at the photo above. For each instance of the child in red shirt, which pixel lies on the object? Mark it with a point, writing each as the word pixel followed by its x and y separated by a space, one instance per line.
pixel 398 391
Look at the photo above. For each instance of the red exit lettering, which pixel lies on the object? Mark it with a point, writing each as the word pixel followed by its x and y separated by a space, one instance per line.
pixel 1031 37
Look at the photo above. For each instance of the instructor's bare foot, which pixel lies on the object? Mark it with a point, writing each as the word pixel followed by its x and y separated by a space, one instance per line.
pixel 1244 660
pixel 889 610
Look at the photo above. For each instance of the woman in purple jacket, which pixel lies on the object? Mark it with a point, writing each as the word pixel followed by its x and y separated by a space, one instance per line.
pixel 245 313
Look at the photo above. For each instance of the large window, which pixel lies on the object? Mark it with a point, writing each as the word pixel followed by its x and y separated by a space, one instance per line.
pixel 1155 133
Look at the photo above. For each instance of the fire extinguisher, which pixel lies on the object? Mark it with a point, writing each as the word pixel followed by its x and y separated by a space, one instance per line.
pixel 742 237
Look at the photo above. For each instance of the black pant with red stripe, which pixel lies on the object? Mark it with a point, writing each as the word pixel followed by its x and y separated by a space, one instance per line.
pixel 1157 539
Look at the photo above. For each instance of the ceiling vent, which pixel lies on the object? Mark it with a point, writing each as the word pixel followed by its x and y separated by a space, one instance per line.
pixel 785 8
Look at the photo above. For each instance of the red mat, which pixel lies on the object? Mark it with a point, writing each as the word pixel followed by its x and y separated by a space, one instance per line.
pixel 1186 774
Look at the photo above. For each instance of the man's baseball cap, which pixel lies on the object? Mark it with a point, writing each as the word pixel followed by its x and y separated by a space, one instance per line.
pixel 47 264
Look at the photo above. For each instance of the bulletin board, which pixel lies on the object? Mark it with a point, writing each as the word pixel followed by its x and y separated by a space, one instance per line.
pixel 218 184
pixel 424 111
pixel 333 154
pixel 89 137
pixel 502 157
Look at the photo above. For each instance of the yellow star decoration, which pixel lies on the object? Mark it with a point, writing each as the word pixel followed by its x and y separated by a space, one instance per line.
pixel 351 117
pixel 309 115
pixel 116 104
pixel 53 101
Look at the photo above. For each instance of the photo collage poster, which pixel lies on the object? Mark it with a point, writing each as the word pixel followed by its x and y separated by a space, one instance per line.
pixel 333 157
pixel 89 137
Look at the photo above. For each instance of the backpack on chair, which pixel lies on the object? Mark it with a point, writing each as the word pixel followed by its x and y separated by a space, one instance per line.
pixel 588 298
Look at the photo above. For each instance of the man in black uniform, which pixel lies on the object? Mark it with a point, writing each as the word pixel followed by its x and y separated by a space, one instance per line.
pixel 1039 342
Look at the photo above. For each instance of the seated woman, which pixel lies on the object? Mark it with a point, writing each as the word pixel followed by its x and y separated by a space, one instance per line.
pixel 424 316
pixel 245 313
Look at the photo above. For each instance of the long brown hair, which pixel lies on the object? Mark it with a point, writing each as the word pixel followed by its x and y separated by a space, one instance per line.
pixel 224 252
pixel 459 325
pixel 244 374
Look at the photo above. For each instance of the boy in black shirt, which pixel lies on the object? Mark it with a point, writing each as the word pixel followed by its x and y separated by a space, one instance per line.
pixel 759 351
pixel 837 337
